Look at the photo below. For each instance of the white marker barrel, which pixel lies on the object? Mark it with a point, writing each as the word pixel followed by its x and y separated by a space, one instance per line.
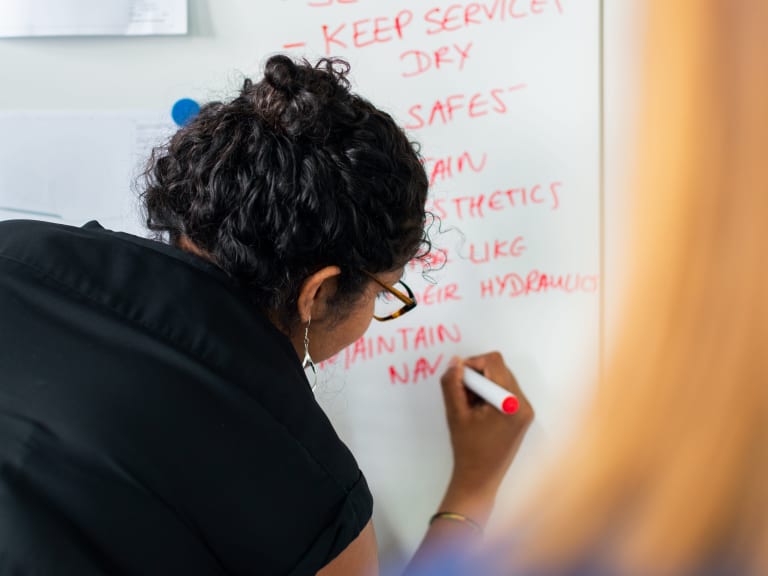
pixel 500 398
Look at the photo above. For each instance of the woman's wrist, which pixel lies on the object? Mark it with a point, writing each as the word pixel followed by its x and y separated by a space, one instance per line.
pixel 476 504
pixel 466 521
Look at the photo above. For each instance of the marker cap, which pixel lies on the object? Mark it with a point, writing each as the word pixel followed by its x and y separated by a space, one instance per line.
pixel 510 405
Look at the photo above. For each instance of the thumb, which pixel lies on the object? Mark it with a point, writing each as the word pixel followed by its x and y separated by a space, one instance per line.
pixel 454 392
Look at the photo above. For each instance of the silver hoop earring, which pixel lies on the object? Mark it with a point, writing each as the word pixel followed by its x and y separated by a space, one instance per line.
pixel 307 364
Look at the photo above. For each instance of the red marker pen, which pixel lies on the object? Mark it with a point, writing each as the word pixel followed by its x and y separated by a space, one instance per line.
pixel 498 397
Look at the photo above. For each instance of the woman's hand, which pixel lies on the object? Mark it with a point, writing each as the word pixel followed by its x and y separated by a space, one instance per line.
pixel 484 440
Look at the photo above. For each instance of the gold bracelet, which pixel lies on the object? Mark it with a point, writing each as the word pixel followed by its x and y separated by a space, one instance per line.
pixel 456 517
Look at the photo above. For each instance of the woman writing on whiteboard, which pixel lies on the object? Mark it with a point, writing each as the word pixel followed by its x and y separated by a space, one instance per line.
pixel 155 415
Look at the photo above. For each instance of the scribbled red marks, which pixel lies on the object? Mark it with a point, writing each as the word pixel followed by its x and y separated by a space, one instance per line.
pixel 483 204
pixel 514 285
pixel 448 109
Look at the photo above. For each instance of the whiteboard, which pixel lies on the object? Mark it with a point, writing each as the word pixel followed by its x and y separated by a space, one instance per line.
pixel 504 97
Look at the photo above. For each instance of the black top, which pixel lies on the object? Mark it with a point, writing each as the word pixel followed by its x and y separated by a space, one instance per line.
pixel 152 421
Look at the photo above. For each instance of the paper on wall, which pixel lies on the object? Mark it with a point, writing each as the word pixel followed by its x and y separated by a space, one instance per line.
pixel 71 167
pixel 92 17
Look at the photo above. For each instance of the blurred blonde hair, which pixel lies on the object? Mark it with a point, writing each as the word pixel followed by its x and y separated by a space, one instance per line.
pixel 670 470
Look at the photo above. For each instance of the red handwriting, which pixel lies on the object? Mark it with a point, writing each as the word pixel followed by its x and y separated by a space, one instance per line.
pixel 436 20
pixel 433 260
pixel 537 282
pixel 446 167
pixel 477 253
pixel 458 16
pixel 489 251
pixel 444 110
pixel 422 369
pixel 366 32
pixel 445 56
pixel 480 205
pixel 404 339
pixel 434 294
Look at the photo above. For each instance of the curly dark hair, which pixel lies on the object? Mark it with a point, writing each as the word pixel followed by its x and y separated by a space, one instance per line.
pixel 294 174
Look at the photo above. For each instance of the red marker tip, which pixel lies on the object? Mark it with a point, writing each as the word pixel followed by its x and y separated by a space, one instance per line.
pixel 510 405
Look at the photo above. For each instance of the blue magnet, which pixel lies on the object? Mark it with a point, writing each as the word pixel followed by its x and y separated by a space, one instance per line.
pixel 184 110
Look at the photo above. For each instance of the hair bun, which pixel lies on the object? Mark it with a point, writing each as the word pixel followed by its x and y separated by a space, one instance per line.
pixel 299 98
pixel 282 74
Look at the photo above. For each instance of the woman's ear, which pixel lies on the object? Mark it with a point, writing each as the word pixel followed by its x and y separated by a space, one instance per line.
pixel 315 292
